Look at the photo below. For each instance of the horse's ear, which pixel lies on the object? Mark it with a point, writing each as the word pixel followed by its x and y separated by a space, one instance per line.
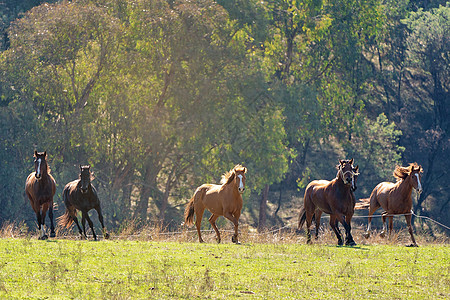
pixel 351 161
pixel 245 170
pixel 35 153
pixel 356 168
pixel 81 168
pixel 341 162
pixel 45 154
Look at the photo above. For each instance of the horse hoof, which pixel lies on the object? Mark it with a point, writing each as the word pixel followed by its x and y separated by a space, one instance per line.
pixel 43 238
pixel 234 240
pixel 352 244
pixel 52 234
pixel 412 245
pixel 106 235
pixel 383 234
pixel 340 243
pixel 366 235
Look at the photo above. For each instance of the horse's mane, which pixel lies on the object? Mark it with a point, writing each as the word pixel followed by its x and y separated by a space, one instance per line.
pixel 402 172
pixel 227 177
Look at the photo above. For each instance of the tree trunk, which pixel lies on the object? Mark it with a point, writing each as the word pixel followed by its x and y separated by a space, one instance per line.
pixel 263 208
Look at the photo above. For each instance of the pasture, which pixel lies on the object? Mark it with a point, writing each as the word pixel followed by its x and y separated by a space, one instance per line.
pixel 178 267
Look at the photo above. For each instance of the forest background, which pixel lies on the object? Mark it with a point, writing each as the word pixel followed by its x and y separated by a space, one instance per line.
pixel 161 96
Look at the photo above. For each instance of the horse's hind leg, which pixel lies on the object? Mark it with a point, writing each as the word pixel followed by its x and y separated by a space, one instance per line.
pixel 309 217
pixel 317 216
pixel 410 229
pixel 212 220
pixel 198 221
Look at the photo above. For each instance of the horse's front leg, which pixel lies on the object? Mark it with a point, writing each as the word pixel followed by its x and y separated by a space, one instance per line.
pixel 40 222
pixel 50 216
pixel 348 230
pixel 91 224
pixel 334 225
pixel 100 218
pixel 235 222
pixel 410 229
pixel 43 236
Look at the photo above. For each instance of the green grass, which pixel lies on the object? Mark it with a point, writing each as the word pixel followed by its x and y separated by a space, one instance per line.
pixel 122 269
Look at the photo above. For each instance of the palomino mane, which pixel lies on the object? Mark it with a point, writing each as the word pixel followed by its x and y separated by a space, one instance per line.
pixel 228 177
pixel 402 172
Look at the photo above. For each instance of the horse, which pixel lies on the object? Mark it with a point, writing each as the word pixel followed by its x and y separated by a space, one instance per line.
pixel 333 197
pixel 221 200
pixel 318 213
pixel 40 187
pixel 81 195
pixel 394 198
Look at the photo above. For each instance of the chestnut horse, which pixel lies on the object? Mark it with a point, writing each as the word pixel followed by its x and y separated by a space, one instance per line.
pixel 333 197
pixel 221 200
pixel 318 212
pixel 394 198
pixel 81 195
pixel 40 188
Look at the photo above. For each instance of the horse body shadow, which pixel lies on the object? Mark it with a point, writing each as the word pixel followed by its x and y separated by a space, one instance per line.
pixel 40 187
pixel 81 195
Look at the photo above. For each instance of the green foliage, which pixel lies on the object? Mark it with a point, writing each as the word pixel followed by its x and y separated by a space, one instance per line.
pixel 162 96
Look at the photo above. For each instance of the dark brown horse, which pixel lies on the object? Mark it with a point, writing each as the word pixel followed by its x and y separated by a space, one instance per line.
pixel 333 197
pixel 318 212
pixel 221 200
pixel 394 198
pixel 40 188
pixel 81 195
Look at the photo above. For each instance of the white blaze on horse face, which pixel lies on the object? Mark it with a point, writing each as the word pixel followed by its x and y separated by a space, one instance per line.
pixel 241 184
pixel 419 185
pixel 38 171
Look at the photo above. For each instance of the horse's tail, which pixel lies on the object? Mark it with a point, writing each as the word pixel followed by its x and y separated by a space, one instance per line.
pixel 189 212
pixel 301 218
pixel 363 203
pixel 66 219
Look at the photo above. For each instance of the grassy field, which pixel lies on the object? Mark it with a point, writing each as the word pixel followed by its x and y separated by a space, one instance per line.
pixel 180 268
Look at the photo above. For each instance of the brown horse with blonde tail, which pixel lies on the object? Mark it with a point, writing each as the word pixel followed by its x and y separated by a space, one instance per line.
pixel 221 200
pixel 333 197
pixel 394 198
pixel 40 188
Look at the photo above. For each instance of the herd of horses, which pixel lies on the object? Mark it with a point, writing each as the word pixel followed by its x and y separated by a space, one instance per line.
pixel 335 198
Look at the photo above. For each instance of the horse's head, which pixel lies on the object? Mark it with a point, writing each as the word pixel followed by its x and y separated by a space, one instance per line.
pixel 347 173
pixel 415 173
pixel 40 164
pixel 85 178
pixel 239 172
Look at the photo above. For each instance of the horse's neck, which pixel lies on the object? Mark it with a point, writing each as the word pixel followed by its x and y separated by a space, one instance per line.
pixel 404 188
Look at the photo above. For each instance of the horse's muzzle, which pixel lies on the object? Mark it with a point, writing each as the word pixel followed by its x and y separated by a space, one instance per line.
pixel 38 176
pixel 241 190
pixel 83 191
